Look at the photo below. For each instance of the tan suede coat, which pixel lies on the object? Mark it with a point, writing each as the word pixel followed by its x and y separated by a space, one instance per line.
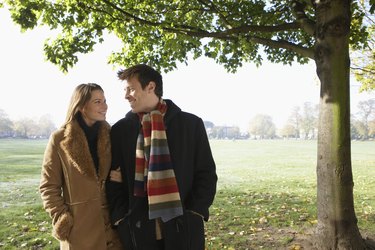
pixel 73 194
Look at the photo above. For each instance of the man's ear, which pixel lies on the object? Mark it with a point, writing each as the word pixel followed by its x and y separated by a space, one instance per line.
pixel 151 86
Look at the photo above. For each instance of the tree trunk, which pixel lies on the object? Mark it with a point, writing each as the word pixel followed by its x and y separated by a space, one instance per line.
pixel 337 223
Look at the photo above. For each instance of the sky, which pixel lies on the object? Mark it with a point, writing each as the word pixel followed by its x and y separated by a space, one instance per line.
pixel 33 87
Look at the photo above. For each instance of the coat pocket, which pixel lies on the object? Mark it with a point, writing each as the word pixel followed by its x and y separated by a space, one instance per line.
pixel 63 226
pixel 185 232
pixel 137 234
pixel 195 228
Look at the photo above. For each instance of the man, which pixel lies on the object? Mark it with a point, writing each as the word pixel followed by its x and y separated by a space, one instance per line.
pixel 163 176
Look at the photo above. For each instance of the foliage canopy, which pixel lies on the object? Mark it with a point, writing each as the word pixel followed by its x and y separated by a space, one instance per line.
pixel 162 33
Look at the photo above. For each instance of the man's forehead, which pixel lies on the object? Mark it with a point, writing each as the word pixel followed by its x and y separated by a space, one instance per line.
pixel 131 82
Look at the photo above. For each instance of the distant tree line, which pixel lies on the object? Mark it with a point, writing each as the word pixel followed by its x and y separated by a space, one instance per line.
pixel 25 127
pixel 363 123
pixel 301 124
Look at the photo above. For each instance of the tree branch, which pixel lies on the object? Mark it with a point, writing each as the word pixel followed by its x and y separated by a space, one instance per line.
pixel 365 70
pixel 281 44
pixel 194 31
pixel 230 34
pixel 233 33
pixel 162 25
pixel 264 29
pixel 305 22
pixel 212 6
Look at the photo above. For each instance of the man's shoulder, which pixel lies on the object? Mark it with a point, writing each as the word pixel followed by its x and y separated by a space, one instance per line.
pixel 130 118
pixel 189 115
pixel 177 111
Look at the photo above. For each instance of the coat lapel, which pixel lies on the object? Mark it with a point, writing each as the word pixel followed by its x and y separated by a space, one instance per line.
pixel 76 148
pixel 104 150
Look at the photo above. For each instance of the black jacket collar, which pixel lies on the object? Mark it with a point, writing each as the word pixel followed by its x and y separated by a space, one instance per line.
pixel 172 111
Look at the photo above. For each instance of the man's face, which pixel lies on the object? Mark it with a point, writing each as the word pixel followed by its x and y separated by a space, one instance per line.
pixel 138 98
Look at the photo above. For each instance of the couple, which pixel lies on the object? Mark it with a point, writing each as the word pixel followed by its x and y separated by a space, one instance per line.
pixel 146 183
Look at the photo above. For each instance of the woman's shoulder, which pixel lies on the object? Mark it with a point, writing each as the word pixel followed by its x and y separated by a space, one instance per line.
pixel 58 133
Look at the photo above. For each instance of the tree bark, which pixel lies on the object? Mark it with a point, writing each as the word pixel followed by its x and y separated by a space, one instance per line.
pixel 337 223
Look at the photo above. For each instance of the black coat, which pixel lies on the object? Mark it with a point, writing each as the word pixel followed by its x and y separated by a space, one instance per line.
pixel 195 172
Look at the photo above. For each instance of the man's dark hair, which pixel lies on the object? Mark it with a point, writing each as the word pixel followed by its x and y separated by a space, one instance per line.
pixel 145 74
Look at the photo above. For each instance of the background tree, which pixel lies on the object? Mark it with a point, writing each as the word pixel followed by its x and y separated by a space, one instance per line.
pixel 309 120
pixel 354 134
pixel 225 132
pixel 363 59
pixel 163 33
pixel 233 132
pixel 208 124
pixel 262 127
pixel 288 131
pixel 46 126
pixel 25 128
pixel 209 127
pixel 366 112
pixel 305 123
pixel 361 130
pixel 6 125
pixel 372 129
pixel 295 121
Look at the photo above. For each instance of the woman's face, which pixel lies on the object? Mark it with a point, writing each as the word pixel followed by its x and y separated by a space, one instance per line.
pixel 95 109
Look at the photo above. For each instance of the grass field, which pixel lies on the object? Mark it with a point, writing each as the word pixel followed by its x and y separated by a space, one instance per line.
pixel 266 194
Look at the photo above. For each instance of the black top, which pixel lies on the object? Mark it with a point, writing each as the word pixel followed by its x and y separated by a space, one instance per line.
pixel 92 138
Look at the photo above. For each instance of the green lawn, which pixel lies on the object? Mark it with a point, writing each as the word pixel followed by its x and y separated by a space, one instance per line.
pixel 266 193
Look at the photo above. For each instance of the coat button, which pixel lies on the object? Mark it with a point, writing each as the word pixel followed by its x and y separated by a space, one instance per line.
pixel 138 224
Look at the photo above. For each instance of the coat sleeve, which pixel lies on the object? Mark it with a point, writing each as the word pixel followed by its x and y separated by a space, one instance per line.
pixel 50 188
pixel 205 178
pixel 116 187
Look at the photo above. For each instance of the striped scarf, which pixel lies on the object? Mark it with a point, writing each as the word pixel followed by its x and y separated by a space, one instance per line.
pixel 154 174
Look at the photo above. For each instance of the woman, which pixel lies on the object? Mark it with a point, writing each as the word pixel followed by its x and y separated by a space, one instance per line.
pixel 75 167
